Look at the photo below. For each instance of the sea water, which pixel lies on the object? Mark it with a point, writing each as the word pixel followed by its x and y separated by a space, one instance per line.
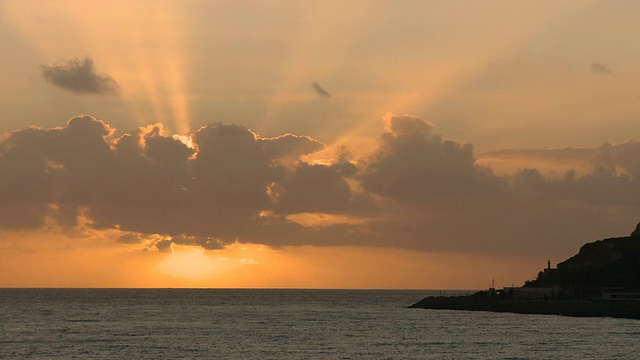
pixel 288 324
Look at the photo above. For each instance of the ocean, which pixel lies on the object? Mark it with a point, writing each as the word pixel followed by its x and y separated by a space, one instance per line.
pixel 288 324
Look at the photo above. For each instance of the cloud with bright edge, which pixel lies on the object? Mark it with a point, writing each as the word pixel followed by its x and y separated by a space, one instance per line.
pixel 223 184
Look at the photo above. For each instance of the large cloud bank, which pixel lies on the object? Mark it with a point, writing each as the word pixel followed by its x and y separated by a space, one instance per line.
pixel 415 190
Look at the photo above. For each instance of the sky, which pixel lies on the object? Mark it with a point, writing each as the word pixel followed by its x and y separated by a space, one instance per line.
pixel 316 144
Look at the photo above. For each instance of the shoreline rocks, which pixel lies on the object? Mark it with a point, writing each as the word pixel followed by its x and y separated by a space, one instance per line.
pixel 627 310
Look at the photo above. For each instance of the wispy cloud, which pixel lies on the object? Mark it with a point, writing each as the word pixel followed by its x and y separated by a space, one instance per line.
pixel 320 90
pixel 79 76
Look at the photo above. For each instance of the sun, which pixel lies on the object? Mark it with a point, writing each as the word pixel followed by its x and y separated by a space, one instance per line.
pixel 191 263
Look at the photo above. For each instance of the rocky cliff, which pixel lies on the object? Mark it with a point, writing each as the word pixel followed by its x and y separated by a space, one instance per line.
pixel 575 288
pixel 613 262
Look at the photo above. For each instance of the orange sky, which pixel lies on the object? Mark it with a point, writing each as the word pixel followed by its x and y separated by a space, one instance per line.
pixel 442 145
pixel 71 263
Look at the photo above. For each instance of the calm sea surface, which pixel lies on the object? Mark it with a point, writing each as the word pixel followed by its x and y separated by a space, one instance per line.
pixel 288 324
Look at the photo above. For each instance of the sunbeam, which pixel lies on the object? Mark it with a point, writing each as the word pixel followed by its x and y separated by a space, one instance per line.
pixel 213 130
pixel 143 49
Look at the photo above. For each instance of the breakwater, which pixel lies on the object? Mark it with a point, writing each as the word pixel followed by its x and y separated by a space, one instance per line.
pixel 628 310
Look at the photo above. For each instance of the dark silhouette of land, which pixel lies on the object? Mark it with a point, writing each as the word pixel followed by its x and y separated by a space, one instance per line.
pixel 602 280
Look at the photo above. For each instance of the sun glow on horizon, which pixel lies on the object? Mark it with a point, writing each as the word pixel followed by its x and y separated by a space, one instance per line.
pixel 191 263
pixel 59 261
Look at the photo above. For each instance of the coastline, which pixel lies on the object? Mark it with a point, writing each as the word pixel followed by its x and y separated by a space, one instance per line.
pixel 626 310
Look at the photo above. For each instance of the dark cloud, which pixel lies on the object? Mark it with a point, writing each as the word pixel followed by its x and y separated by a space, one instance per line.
pixel 206 242
pixel 320 90
pixel 289 146
pixel 415 190
pixel 147 182
pixel 164 246
pixel 414 165
pixel 312 188
pixel 601 68
pixel 79 76
pixel 435 197
pixel 131 238
pixel 572 154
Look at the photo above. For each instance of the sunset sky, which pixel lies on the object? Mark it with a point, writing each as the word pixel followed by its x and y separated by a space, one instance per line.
pixel 313 144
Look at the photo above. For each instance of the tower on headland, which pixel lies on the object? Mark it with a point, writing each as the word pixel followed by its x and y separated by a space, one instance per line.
pixel 549 269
